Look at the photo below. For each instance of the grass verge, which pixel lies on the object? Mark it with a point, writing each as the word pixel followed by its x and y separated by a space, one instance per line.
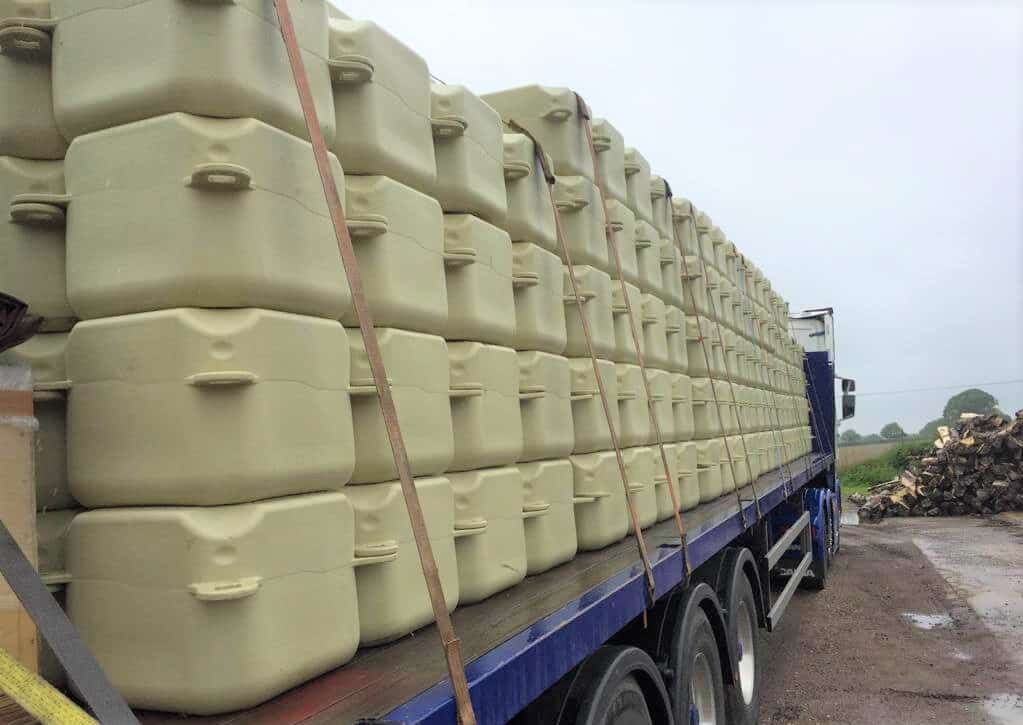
pixel 883 468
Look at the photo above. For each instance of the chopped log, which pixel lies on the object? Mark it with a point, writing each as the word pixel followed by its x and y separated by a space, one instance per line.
pixel 976 467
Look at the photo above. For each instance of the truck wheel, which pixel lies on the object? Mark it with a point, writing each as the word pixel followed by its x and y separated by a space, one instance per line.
pixel 744 696
pixel 617 686
pixel 699 686
pixel 626 706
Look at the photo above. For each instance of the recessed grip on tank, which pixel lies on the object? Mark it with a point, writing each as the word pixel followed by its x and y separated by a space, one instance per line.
pixel 225 591
pixel 25 42
pixel 219 176
pixel 350 68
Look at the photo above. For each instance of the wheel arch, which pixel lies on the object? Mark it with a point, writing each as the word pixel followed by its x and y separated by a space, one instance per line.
pixel 604 669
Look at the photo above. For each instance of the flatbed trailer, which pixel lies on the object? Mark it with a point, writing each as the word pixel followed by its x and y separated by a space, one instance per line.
pixel 522 643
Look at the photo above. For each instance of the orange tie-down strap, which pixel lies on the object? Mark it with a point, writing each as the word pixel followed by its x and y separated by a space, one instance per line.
pixel 612 245
pixel 452 648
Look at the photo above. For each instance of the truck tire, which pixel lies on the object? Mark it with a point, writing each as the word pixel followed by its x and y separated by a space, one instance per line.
pixel 698 684
pixel 616 686
pixel 625 706
pixel 743 702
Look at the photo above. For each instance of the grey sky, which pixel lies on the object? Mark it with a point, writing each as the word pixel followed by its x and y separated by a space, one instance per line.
pixel 867 156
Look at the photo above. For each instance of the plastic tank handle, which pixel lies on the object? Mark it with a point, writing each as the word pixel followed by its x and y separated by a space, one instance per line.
pixel 350 69
pixel 24 42
pixel 216 176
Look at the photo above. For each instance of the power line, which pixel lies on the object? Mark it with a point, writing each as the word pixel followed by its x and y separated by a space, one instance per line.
pixel 942 387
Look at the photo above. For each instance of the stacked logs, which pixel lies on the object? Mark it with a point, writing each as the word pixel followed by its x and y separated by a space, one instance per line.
pixel 974 468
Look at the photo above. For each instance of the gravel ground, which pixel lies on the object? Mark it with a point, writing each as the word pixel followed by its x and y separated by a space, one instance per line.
pixel 921 622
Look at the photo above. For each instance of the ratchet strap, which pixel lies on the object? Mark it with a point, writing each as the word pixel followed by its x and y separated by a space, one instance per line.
pixel 452 645
pixel 612 244
pixel 26 688
pixel 548 174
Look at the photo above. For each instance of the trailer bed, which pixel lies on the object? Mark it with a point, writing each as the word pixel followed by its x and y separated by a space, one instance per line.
pixel 520 641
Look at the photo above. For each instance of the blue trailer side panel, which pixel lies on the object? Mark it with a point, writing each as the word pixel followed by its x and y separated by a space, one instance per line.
pixel 820 384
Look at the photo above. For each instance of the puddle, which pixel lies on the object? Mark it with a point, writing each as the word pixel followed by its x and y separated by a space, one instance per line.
pixel 1005 709
pixel 850 518
pixel 928 621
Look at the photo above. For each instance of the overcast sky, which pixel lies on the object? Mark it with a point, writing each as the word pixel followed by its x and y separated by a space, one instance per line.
pixel 867 156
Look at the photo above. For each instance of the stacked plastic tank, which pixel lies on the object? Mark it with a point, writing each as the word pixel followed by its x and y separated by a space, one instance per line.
pixel 214 476
pixel 750 406
pixel 618 197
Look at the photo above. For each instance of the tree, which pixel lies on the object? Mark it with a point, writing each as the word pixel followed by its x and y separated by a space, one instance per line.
pixel 892 431
pixel 973 400
pixel 849 437
pixel 930 430
pixel 872 438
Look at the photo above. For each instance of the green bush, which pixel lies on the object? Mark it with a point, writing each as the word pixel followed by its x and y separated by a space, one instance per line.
pixel 885 467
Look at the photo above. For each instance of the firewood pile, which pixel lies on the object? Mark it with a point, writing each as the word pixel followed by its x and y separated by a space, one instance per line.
pixel 974 468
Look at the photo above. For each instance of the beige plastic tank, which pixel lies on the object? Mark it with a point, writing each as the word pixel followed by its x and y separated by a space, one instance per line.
pixel 661 394
pixel 32 250
pixel 639 466
pixel 633 413
pixel 610 148
pixel 490 542
pixel 393 600
pixel 469 148
pixel 545 393
pixel 726 407
pixel 27 127
pixel 589 422
pixel 675 331
pixel 682 406
pixel 660 204
pixel 729 468
pixel 221 614
pixel 625 346
pixel 174 67
pixel 671 273
pixel 622 223
pixel 381 104
pixel 695 300
pixel 481 302
pixel 708 469
pixel 706 421
pixel 582 222
pixel 688 476
pixel 682 216
pixel 207 407
pixel 398 235
pixel 484 405
pixel 530 215
pixel 551 114
pixel 709 351
pixel 637 182
pixel 601 515
pixel 210 220
pixel 648 258
pixel 665 507
pixel 740 457
pixel 595 291
pixel 417 369
pixel 655 333
pixel 539 293
pixel 549 512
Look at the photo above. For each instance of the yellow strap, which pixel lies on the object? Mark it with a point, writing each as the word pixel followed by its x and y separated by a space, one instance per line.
pixel 37 697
